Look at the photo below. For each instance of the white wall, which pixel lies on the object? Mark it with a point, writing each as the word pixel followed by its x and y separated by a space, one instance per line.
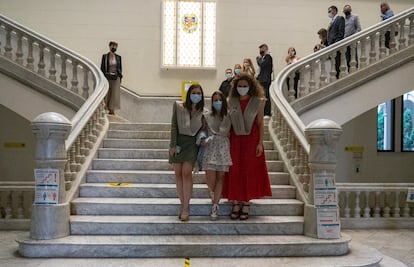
pixel 242 25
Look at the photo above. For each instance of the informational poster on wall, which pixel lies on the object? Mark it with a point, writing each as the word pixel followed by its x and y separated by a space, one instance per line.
pixel 329 225
pixel 46 186
pixel 410 194
pixel 185 85
pixel 325 193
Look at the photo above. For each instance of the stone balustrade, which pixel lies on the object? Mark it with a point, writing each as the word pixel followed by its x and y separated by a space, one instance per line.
pixel 374 200
pixel 366 48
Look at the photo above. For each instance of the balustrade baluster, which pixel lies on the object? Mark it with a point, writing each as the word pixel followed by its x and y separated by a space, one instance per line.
pixel 41 65
pixel 73 165
pixel 377 209
pixel 84 150
pixel 278 123
pixel 332 73
pixel 411 33
pixel 63 75
pixel 382 49
pixel 19 50
pixel 347 209
pixel 322 76
pixel 393 44
pixel 396 209
pixel 80 159
pixel 74 81
pixel 95 132
pixel 353 62
pixel 367 209
pixel 386 209
pixel 357 210
pixel 9 208
pixel 30 59
pixel 68 172
pixel 52 70
pixel 306 179
pixel 100 114
pixel 291 92
pixel 373 51
pixel 401 34
pixel 8 48
pixel 20 208
pixel 406 209
pixel 363 56
pixel 85 87
pixel 303 91
pixel 343 67
pixel 312 82
pixel 298 146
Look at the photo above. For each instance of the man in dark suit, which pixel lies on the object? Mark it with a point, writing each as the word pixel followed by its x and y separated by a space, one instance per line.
pixel 336 32
pixel 265 62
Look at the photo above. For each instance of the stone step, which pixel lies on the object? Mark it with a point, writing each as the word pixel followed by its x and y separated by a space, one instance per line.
pixel 139 126
pixel 157 164
pixel 141 134
pixel 152 143
pixel 197 225
pixel 170 206
pixel 160 177
pixel 126 153
pixel 122 134
pixel 192 246
pixel 129 190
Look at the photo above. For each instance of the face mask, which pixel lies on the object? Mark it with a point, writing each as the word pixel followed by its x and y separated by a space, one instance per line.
pixel 262 53
pixel 237 71
pixel 195 98
pixel 113 49
pixel 217 105
pixel 330 15
pixel 229 75
pixel 293 53
pixel 347 13
pixel 242 90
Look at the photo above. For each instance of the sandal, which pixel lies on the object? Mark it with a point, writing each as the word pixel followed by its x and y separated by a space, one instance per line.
pixel 244 213
pixel 235 212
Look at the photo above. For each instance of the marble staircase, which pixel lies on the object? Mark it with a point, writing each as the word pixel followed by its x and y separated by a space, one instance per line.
pixel 128 208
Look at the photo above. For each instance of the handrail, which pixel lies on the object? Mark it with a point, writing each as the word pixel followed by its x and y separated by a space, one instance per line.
pixel 52 64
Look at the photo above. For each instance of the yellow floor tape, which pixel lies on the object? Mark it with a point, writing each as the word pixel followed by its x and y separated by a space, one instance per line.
pixel 187 262
pixel 119 184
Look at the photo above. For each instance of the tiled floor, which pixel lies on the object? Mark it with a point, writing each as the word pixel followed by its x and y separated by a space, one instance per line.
pixel 398 244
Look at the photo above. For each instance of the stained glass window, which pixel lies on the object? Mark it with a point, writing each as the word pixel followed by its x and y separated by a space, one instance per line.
pixel 189 34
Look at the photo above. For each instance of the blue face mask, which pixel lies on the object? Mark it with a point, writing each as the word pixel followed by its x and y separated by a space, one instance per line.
pixel 229 75
pixel 237 71
pixel 195 98
pixel 217 105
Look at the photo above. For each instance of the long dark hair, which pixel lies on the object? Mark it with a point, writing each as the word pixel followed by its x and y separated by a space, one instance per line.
pixel 188 104
pixel 223 111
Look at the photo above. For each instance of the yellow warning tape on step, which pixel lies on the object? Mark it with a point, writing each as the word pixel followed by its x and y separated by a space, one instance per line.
pixel 119 184
pixel 187 262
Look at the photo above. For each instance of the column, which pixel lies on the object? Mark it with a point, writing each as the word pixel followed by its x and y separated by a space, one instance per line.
pixel 50 211
pixel 322 136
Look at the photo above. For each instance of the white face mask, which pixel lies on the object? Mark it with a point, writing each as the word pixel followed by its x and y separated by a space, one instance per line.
pixel 242 90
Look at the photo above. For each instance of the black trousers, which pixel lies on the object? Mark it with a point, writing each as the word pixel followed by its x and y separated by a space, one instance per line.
pixel 268 105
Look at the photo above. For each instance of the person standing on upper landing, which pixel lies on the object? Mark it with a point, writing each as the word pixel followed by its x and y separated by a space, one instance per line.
pixel 111 66
pixel 265 62
pixel 336 33
pixel 386 13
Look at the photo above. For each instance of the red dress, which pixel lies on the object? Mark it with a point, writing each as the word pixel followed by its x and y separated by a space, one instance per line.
pixel 247 178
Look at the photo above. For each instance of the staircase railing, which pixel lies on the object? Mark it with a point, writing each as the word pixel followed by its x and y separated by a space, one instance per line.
pixel 287 129
pixel 58 73
pixel 375 205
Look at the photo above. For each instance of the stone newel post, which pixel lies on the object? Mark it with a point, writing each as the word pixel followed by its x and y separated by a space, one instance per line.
pixel 322 136
pixel 50 212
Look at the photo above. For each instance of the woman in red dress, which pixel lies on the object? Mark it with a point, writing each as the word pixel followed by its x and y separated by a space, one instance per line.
pixel 247 178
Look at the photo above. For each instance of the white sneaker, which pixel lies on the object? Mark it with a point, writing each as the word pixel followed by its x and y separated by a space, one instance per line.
pixel 214 212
